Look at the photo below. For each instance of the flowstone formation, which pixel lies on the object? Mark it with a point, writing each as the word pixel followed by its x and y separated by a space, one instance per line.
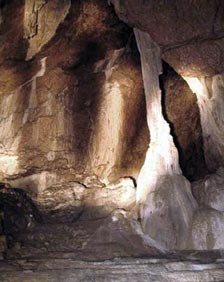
pixel 203 73
pixel 111 140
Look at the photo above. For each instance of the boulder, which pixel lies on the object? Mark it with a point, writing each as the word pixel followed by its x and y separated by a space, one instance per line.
pixel 207 230
pixel 209 192
pixel 168 211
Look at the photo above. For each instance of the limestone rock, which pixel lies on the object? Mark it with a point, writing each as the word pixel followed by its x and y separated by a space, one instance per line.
pixel 3 245
pixel 20 212
pixel 162 155
pixel 182 112
pixel 41 21
pixel 101 202
pixel 207 230
pixel 58 110
pixel 209 192
pixel 209 92
pixel 189 33
pixel 168 211
pixel 61 202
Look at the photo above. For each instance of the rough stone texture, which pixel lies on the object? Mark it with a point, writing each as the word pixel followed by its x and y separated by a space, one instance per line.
pixel 209 192
pixel 76 113
pixel 125 270
pixel 164 195
pixel 190 33
pixel 181 111
pixel 209 92
pixel 162 156
pixel 72 201
pixel 73 119
pixel 41 21
pixel 168 211
pixel 3 246
pixel 207 230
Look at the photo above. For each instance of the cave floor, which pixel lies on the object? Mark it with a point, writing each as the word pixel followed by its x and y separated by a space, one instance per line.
pixel 106 249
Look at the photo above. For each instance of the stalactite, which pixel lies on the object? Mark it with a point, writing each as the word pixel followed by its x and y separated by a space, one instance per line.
pixel 162 155
pixel 164 195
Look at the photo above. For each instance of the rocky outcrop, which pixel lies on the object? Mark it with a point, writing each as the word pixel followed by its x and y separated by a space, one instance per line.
pixel 74 201
pixel 209 192
pixel 207 230
pixel 162 155
pixel 209 92
pixel 166 202
pixel 190 34
pixel 41 21
pixel 180 109
pixel 58 110
pixel 168 212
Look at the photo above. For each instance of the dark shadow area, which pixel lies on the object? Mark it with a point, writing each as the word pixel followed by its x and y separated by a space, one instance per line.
pixel 18 213
pixel 96 235
pixel 180 109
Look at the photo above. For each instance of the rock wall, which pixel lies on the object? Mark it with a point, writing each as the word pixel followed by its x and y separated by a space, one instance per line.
pixel 209 92
pixel 41 21
pixel 181 111
pixel 164 195
pixel 190 33
pixel 70 114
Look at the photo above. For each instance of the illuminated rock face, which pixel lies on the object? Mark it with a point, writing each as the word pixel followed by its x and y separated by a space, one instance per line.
pixel 181 111
pixel 78 108
pixel 209 92
pixel 209 192
pixel 73 119
pixel 162 156
pixel 190 33
pixel 41 21
pixel 165 198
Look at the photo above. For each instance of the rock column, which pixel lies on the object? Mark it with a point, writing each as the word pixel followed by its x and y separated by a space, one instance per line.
pixel 164 195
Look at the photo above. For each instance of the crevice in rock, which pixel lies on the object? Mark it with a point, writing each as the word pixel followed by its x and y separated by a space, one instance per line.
pixel 181 111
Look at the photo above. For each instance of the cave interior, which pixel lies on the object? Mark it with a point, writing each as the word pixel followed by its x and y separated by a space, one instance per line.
pixel 111 140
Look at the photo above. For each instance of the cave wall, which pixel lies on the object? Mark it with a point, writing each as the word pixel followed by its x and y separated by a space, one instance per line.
pixel 76 109
pixel 190 33
pixel 181 111
pixel 72 98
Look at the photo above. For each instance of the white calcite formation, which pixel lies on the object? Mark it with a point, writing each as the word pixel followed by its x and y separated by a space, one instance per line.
pixel 167 204
pixel 207 230
pixel 209 192
pixel 210 98
pixel 162 155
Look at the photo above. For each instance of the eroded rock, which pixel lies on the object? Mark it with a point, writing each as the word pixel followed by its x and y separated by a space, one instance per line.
pixel 190 34
pixel 41 21
pixel 168 212
pixel 207 230
pixel 209 192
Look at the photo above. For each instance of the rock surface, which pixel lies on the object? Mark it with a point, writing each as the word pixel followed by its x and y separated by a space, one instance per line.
pixel 168 212
pixel 140 270
pixel 209 92
pixel 73 120
pixel 41 21
pixel 162 156
pixel 209 192
pixel 190 33
pixel 180 109
pixel 74 114
pixel 208 230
